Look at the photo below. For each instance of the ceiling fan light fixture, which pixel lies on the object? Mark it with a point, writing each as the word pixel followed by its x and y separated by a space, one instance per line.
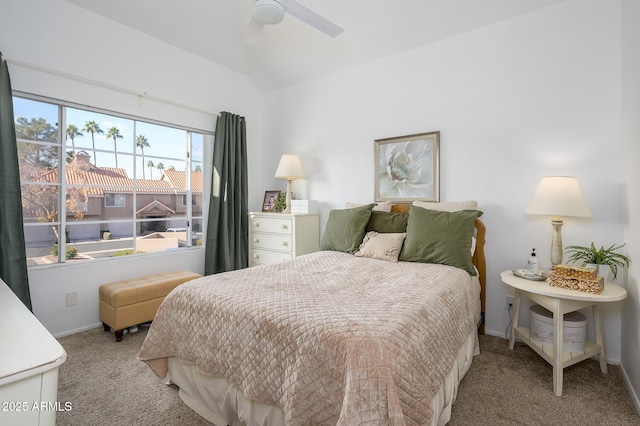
pixel 268 12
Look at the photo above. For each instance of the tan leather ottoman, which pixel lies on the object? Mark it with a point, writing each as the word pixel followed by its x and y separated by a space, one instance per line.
pixel 131 302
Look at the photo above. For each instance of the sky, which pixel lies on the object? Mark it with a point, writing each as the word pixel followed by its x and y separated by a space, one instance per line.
pixel 166 145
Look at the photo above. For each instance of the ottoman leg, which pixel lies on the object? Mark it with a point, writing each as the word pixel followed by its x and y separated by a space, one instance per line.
pixel 119 335
pixel 106 327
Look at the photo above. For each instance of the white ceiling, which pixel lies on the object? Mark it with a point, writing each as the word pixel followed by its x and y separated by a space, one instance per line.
pixel 292 52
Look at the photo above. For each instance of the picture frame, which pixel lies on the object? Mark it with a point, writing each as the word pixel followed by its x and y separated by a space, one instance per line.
pixel 269 202
pixel 407 168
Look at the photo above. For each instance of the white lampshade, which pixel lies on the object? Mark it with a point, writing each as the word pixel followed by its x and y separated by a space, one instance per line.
pixel 289 167
pixel 559 196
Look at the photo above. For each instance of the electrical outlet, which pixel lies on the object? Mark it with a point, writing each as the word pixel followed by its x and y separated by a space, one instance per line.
pixel 509 300
pixel 72 298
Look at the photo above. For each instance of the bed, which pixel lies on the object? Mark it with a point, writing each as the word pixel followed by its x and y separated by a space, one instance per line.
pixel 330 337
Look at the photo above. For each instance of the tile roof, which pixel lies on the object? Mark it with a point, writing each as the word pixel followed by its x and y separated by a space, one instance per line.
pixel 155 203
pixel 111 179
pixel 179 179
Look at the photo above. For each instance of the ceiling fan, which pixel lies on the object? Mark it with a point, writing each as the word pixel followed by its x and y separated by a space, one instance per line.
pixel 270 12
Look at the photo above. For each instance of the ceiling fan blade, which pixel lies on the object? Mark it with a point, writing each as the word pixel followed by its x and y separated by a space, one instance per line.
pixel 254 31
pixel 310 17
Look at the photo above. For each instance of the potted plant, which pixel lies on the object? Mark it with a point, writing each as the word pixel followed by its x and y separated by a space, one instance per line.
pixel 590 256
pixel 281 203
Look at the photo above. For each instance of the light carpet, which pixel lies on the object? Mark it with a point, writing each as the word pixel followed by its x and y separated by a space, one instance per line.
pixel 107 385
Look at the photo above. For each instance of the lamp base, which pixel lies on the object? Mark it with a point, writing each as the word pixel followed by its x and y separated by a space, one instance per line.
pixel 556 242
pixel 288 207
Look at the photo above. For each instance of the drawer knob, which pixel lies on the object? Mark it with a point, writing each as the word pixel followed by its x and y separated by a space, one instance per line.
pixel 256 224
pixel 284 226
pixel 284 243
pixel 256 240
pixel 256 256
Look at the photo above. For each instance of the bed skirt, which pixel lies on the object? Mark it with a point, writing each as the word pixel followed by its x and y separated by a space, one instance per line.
pixel 221 403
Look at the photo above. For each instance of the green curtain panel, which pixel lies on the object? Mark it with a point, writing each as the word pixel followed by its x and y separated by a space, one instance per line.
pixel 228 223
pixel 13 260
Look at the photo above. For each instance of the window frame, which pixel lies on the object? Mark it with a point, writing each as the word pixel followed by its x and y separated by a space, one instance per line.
pixel 194 202
pixel 207 138
pixel 115 197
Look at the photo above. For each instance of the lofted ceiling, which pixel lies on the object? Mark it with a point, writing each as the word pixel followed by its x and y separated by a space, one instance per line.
pixel 292 52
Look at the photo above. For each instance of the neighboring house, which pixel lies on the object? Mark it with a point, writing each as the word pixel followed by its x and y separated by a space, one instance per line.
pixel 108 194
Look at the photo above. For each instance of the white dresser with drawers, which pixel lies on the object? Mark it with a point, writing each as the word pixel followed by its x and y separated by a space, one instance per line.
pixel 29 360
pixel 274 237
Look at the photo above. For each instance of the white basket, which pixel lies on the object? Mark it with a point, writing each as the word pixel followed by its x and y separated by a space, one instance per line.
pixel 574 328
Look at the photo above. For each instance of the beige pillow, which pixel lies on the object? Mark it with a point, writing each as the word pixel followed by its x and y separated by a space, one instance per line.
pixel 381 246
pixel 448 206
pixel 383 206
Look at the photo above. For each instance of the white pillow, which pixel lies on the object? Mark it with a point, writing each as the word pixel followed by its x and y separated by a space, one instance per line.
pixel 384 206
pixel 385 246
pixel 451 206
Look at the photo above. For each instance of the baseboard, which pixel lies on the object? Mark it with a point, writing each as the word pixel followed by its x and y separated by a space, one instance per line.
pixel 495 333
pixel 78 330
pixel 632 391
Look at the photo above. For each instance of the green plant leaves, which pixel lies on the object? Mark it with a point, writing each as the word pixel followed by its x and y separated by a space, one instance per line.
pixel 600 256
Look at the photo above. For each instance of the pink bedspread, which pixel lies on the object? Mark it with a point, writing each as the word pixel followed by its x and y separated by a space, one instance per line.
pixel 329 337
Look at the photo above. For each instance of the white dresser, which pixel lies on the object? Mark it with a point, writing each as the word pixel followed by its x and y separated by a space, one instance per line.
pixel 274 237
pixel 29 362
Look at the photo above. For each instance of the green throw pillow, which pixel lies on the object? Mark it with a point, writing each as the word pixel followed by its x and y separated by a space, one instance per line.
pixel 345 229
pixel 387 223
pixel 440 237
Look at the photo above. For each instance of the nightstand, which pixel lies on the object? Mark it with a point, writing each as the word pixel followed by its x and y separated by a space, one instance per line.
pixel 560 301
pixel 274 237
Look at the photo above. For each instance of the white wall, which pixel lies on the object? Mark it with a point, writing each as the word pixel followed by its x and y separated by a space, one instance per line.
pixel 533 96
pixel 48 41
pixel 631 192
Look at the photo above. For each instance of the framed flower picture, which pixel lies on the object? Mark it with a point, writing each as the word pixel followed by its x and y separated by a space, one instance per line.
pixel 407 168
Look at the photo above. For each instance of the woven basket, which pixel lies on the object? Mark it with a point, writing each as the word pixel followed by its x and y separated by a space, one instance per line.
pixel 574 278
pixel 575 272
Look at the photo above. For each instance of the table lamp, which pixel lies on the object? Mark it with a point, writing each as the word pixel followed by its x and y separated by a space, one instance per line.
pixel 289 169
pixel 558 196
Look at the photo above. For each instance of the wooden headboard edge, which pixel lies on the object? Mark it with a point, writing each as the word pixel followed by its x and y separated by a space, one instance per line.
pixel 478 258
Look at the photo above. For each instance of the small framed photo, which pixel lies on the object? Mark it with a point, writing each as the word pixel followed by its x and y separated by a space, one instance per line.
pixel 407 168
pixel 270 198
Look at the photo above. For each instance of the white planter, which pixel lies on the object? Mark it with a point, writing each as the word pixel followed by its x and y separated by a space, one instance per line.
pixel 604 271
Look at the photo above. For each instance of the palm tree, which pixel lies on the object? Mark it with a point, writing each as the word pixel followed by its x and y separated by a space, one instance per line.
pixel 141 141
pixel 150 165
pixel 160 166
pixel 72 132
pixel 93 128
pixel 114 133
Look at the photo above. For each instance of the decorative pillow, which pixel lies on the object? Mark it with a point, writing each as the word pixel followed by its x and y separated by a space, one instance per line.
pixel 448 206
pixel 383 206
pixel 440 237
pixel 451 206
pixel 387 222
pixel 381 246
pixel 345 229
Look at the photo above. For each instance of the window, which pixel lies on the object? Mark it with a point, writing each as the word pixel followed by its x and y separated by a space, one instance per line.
pixel 184 200
pixel 114 200
pixel 96 184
